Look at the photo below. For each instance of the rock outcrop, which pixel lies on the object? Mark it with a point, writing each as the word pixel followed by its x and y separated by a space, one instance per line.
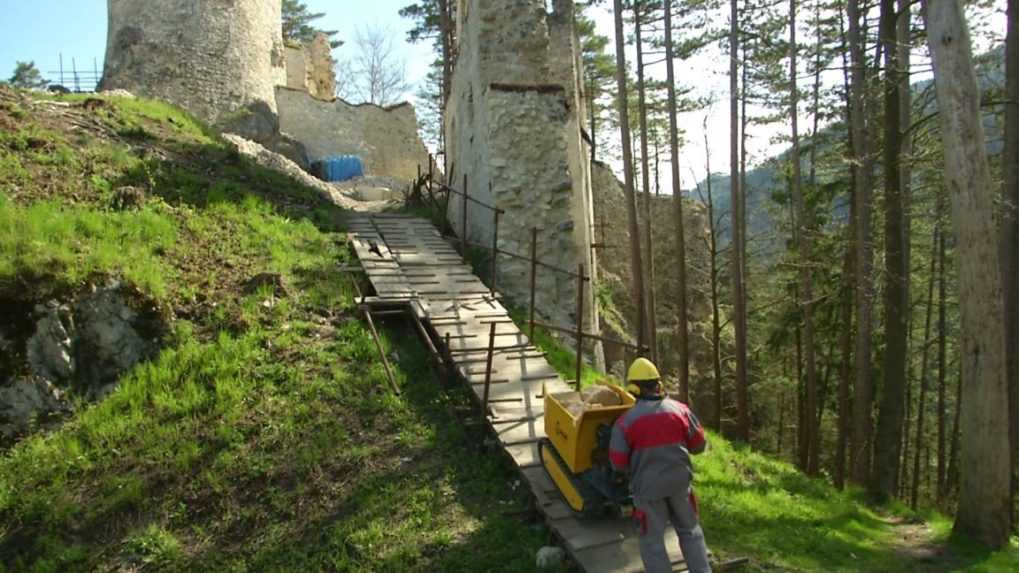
pixel 272 160
pixel 82 345
pixel 26 401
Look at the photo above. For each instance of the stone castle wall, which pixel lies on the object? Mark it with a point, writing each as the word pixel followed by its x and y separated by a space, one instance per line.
pixel 386 139
pixel 310 67
pixel 220 60
pixel 513 127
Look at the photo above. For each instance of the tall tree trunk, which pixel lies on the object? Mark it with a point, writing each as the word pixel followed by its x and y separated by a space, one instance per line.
pixel 896 305
pixel 636 260
pixel 593 120
pixel 781 424
pixel 738 244
pixel 903 479
pixel 904 44
pixel 822 389
pixel 952 477
pixel 903 40
pixel 445 29
pixel 716 319
pixel 984 511
pixel 645 173
pixel 801 234
pixel 862 389
pixel 682 341
pixel 816 95
pixel 942 352
pixel 846 311
pixel 1010 226
pixel 744 133
pixel 921 407
pixel 802 413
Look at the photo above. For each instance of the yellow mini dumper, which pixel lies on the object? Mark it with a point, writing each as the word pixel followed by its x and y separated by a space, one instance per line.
pixel 576 454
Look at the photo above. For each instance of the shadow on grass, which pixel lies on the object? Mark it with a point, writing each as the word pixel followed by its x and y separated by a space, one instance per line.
pixel 201 175
pixel 759 507
pixel 438 502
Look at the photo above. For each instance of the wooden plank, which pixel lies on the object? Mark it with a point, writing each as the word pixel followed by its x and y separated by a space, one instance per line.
pixel 521 432
pixel 588 534
pixel 524 455
pixel 516 412
pixel 625 556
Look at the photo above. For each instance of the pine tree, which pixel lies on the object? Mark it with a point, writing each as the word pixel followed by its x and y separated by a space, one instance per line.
pixel 600 74
pixel 297 24
pixel 983 511
pixel 622 102
pixel 888 439
pixel 27 76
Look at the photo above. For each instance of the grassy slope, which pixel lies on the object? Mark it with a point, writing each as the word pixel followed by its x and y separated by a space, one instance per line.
pixel 262 438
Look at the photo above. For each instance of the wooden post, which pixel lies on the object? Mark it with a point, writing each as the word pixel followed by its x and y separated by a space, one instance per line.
pixel 448 357
pixel 488 367
pixel 534 270
pixel 463 227
pixel 382 352
pixel 580 322
pixel 495 252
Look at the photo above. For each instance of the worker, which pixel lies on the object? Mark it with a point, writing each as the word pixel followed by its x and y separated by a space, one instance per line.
pixel 653 442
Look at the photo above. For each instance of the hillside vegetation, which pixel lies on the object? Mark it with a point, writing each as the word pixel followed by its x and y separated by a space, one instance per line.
pixel 263 437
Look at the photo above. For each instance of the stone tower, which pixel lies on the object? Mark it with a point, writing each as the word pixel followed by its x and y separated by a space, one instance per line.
pixel 514 126
pixel 219 59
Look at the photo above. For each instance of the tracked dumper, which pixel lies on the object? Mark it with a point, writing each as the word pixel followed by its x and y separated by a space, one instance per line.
pixel 576 452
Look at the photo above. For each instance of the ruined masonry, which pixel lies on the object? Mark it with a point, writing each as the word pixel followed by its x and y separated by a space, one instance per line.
pixel 226 62
pixel 310 68
pixel 385 138
pixel 219 60
pixel 513 126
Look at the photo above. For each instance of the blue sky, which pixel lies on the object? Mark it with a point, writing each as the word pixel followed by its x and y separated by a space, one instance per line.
pixel 40 30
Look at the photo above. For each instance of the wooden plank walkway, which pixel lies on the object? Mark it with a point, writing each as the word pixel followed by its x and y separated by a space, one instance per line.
pixel 409 263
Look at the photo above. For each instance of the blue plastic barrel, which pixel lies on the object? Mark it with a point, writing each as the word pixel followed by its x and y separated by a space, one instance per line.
pixel 341 167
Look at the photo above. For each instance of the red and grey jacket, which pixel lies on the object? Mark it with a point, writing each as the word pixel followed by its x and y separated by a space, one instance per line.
pixel 653 442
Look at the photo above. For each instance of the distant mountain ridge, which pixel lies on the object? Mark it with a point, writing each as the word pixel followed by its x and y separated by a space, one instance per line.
pixel 765 179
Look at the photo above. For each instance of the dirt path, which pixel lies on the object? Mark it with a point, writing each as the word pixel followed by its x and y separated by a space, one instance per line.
pixel 915 541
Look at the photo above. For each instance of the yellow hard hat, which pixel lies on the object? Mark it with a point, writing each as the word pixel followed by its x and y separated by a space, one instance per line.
pixel 642 370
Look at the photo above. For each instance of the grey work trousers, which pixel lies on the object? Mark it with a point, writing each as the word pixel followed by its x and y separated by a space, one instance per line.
pixel 653 515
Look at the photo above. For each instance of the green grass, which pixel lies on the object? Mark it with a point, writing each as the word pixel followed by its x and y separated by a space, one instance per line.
pixel 141 117
pixel 271 450
pixel 66 245
pixel 754 506
pixel 263 436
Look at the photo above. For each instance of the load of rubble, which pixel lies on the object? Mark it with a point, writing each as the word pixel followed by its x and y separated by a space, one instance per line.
pixel 597 396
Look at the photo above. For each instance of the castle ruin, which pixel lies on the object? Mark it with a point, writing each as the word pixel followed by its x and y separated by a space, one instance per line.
pixel 514 127
pixel 226 62
pixel 513 120
pixel 219 60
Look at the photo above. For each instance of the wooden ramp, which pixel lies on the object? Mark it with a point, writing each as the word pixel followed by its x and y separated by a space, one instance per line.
pixel 409 264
